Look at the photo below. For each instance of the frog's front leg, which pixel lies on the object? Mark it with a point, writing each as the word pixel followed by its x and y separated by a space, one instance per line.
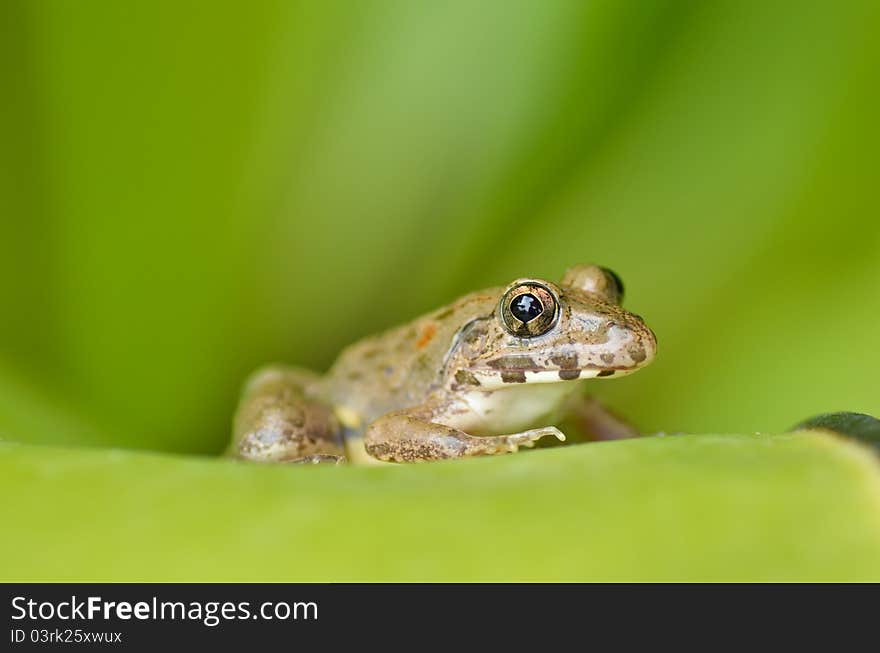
pixel 417 434
pixel 277 420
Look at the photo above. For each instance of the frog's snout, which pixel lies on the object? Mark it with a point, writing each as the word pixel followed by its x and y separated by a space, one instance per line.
pixel 631 348
pixel 649 342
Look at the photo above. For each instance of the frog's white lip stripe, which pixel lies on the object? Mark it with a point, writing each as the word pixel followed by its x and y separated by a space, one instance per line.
pixel 492 377
pixel 552 376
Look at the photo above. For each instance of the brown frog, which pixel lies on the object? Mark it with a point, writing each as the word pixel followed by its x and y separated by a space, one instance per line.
pixel 484 375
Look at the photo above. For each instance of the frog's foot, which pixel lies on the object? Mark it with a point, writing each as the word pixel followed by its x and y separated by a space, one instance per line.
pixel 493 444
pixel 278 421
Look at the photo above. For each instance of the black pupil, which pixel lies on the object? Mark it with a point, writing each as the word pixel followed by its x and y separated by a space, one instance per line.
pixel 526 307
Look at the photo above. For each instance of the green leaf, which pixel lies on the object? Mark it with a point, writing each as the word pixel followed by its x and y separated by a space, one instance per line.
pixel 864 428
pixel 796 507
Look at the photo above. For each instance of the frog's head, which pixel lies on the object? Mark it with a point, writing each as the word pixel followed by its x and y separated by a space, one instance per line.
pixel 541 332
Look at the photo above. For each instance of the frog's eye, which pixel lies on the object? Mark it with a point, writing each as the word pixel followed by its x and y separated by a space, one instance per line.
pixel 529 309
pixel 616 283
pixel 596 280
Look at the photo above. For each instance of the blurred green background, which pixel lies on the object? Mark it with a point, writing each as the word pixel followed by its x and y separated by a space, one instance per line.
pixel 190 189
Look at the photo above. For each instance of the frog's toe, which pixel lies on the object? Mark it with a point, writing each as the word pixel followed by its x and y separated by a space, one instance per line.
pixel 529 438
pixel 559 434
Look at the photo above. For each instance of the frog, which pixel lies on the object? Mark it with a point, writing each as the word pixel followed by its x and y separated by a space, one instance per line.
pixel 491 373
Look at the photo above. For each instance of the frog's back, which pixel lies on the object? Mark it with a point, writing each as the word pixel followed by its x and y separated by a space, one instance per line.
pixel 400 367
